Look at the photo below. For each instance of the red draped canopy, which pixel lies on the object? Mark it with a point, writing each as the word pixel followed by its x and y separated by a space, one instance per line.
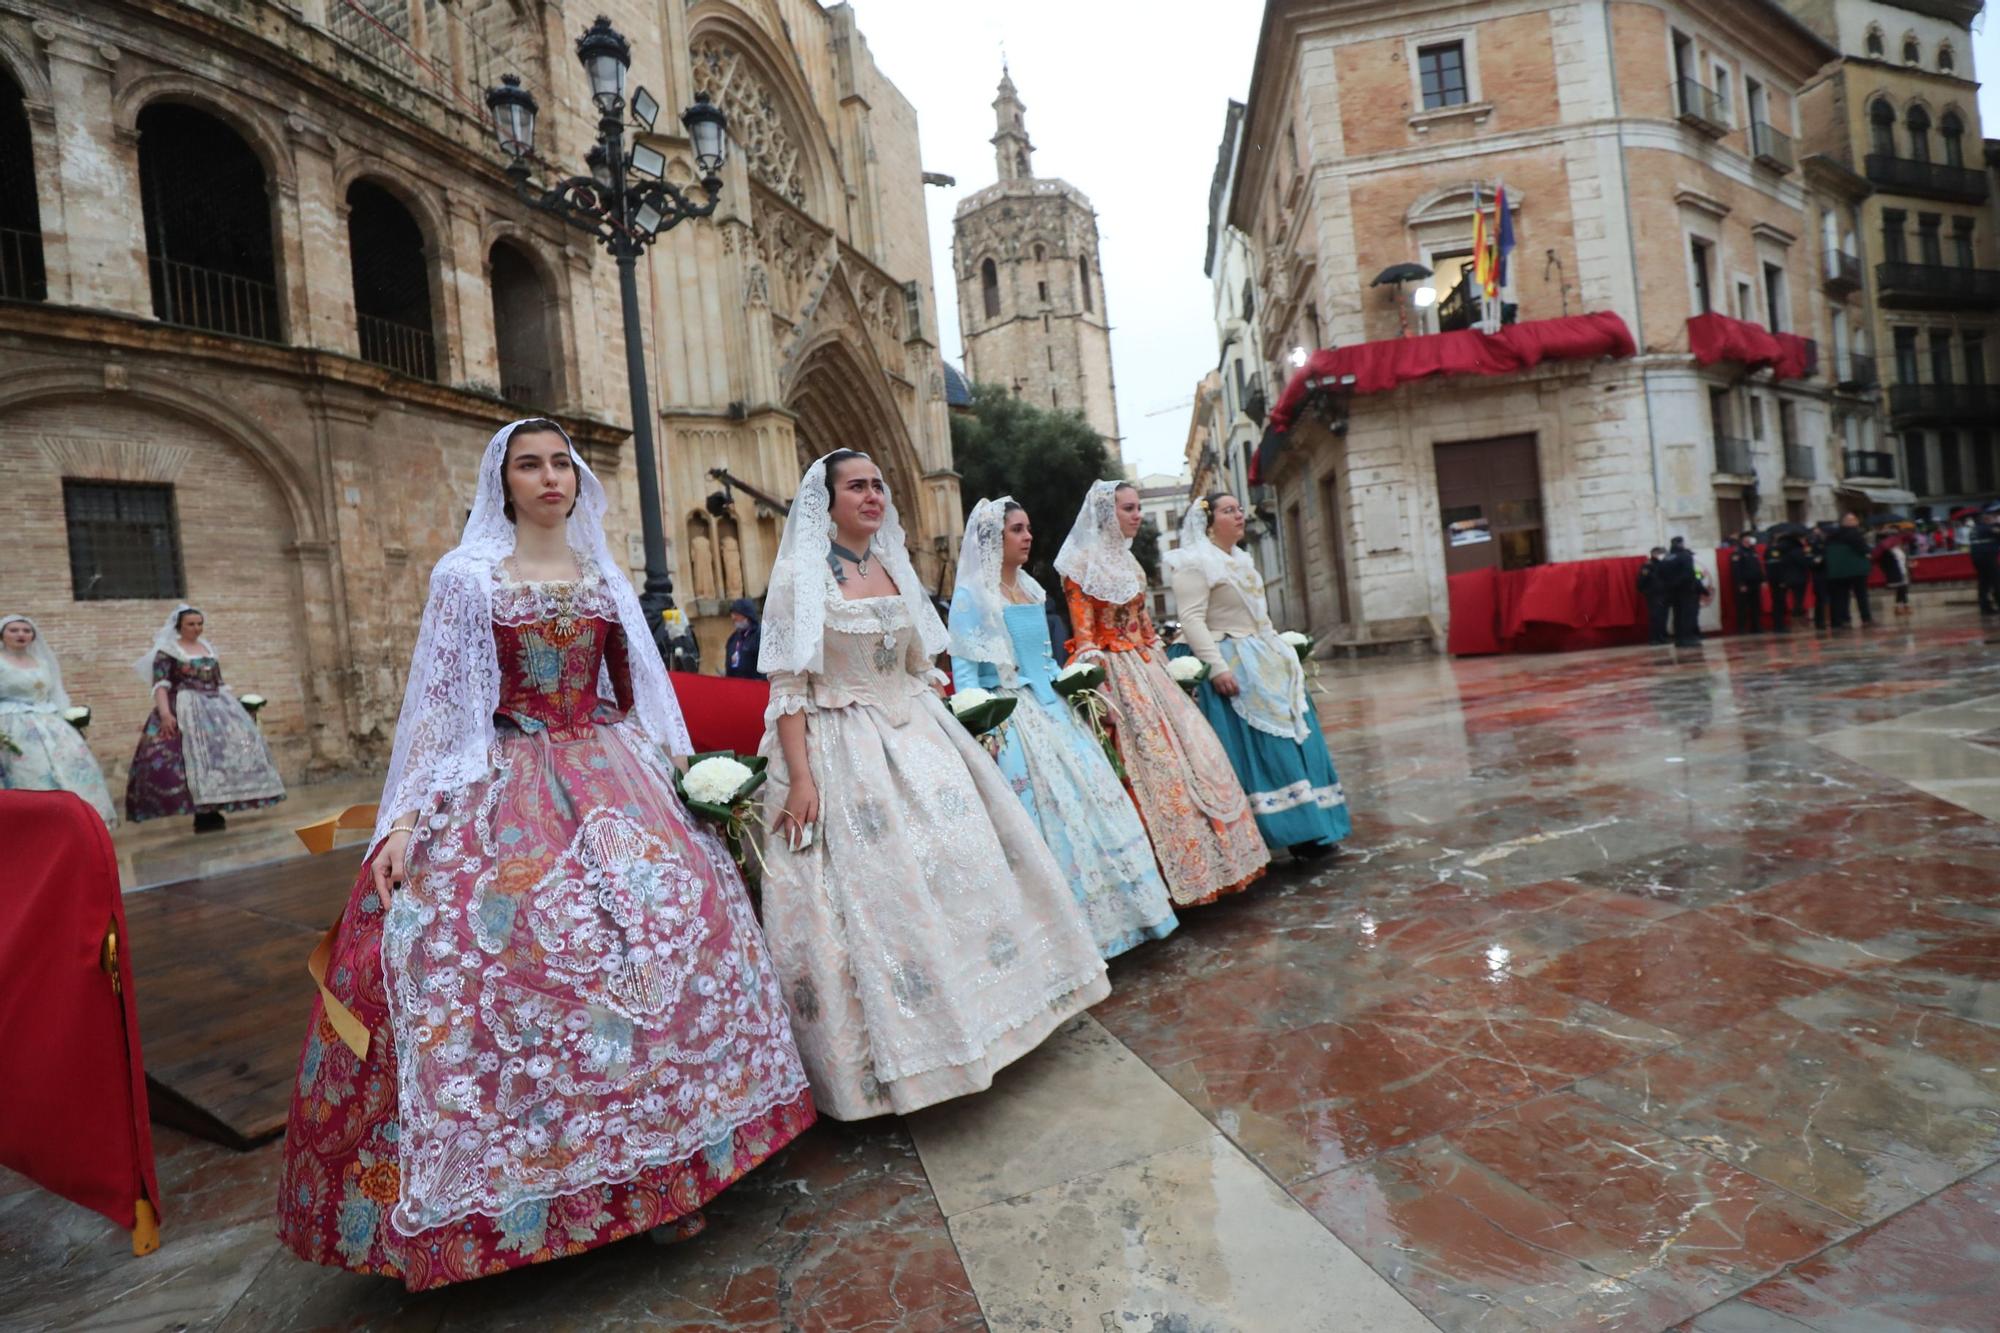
pixel 1714 338
pixel 1380 366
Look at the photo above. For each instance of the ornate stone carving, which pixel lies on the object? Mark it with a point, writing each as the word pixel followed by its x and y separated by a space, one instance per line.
pixel 757 127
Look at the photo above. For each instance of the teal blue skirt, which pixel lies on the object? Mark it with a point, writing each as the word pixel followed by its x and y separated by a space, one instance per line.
pixel 1293 788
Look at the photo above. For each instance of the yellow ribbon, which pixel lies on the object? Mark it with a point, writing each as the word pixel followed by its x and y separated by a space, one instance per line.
pixel 318 839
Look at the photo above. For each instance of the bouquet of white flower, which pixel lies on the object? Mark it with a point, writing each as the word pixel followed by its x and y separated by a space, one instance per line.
pixel 718 785
pixel 252 703
pixel 1078 683
pixel 1298 643
pixel 7 745
pixel 1188 672
pixel 981 712
pixel 77 716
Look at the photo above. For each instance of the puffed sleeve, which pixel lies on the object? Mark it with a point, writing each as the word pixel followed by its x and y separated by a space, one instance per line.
pixel 791 692
pixel 163 670
pixel 1082 619
pixel 1191 597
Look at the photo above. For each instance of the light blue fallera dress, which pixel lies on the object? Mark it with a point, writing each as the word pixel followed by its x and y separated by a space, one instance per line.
pixel 1055 765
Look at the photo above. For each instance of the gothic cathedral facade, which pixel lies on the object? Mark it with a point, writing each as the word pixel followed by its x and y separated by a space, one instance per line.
pixel 1031 302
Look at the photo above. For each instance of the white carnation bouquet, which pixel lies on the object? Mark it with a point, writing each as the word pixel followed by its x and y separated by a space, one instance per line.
pixel 981 712
pixel 1299 643
pixel 1188 672
pixel 718 785
pixel 252 703
pixel 1079 683
pixel 77 716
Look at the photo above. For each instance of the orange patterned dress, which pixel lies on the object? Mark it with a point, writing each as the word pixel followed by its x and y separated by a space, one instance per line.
pixel 1200 821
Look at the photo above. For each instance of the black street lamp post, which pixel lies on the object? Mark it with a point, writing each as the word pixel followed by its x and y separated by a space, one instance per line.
pixel 626 203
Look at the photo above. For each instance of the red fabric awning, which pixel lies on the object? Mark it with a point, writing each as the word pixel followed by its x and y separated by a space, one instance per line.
pixel 1714 338
pixel 1380 366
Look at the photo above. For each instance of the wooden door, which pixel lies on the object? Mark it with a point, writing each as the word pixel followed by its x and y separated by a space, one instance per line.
pixel 1490 501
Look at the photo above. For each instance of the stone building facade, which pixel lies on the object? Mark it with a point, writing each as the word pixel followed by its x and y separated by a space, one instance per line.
pixel 1645 149
pixel 1900 111
pixel 1031 303
pixel 269 292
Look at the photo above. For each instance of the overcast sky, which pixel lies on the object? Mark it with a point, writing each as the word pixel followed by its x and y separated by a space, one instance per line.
pixel 1125 101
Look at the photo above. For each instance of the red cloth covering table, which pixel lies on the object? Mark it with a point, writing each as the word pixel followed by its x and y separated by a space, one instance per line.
pixel 73 1114
pixel 1547 608
pixel 1947 567
pixel 723 712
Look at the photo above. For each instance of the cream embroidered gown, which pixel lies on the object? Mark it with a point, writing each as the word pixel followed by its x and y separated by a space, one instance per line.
pixel 927 937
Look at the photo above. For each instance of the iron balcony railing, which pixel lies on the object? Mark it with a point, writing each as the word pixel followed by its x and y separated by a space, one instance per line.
pixel 1843 270
pixel 1857 371
pixel 1697 104
pixel 1937 285
pixel 1948 402
pixel 1771 146
pixel 1800 464
pixel 21 275
pixel 204 298
pixel 1908 175
pixel 400 347
pixel 1733 456
pixel 1863 463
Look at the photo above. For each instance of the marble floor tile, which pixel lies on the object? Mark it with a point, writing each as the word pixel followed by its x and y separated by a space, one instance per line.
pixel 1558 1215
pixel 1961 978
pixel 1305 1101
pixel 1194 1238
pixel 1690 973
pixel 1843 1096
pixel 1930 1267
pixel 1837 919
pixel 1080 1103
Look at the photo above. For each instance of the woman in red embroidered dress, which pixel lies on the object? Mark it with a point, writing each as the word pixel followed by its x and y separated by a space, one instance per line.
pixel 1202 827
pixel 548 1020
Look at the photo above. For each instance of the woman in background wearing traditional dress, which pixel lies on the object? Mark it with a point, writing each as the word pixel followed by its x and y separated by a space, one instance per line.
pixel 925 934
pixel 1195 810
pixel 546 1021
pixel 200 753
pixel 1000 642
pixel 1255 693
pixel 43 752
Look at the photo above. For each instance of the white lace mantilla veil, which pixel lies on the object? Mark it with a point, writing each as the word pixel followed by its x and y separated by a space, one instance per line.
pixel 444 735
pixel 1096 556
pixel 167 639
pixel 1196 550
pixel 45 658
pixel 978 606
pixel 794 626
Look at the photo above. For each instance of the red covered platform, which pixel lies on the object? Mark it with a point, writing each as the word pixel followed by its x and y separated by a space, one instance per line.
pixel 1547 608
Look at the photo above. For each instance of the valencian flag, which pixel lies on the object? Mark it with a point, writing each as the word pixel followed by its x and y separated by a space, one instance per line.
pixel 1482 250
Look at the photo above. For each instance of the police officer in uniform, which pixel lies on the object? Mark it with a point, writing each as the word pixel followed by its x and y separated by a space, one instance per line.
pixel 1683 593
pixel 1746 575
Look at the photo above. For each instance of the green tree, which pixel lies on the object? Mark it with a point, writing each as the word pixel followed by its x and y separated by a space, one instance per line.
pixel 1146 549
pixel 1045 460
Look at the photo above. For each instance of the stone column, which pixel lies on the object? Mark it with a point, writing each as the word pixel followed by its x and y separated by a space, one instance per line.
pixel 328 725
pixel 317 264
pixel 103 251
pixel 468 329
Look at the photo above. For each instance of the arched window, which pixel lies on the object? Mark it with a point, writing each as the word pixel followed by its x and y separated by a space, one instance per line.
pixel 1918 123
pixel 1912 53
pixel 1946 61
pixel 208 225
pixel 1041 252
pixel 1952 131
pixel 521 328
pixel 1875 41
pixel 989 287
pixel 392 287
pixel 21 275
pixel 1083 280
pixel 1882 128
pixel 1249 299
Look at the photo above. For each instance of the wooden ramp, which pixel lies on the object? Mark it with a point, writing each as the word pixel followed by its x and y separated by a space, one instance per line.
pixel 220 966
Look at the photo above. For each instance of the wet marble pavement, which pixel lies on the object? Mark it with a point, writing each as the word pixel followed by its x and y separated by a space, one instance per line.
pixel 1655 991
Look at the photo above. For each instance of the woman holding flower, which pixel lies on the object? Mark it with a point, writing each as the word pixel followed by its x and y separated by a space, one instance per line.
pixel 1255 691
pixel 925 935
pixel 41 748
pixel 1195 810
pixel 546 1019
pixel 200 753
pixel 1000 641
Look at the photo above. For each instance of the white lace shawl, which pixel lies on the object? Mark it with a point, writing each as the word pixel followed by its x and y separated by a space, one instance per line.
pixel 794 626
pixel 1198 551
pixel 46 665
pixel 978 605
pixel 1096 556
pixel 167 639
pixel 444 735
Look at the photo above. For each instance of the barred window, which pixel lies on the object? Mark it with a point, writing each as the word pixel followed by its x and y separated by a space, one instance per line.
pixel 124 540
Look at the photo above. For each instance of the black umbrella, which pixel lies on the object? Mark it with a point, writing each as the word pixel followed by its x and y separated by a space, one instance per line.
pixel 1877 519
pixel 1400 273
pixel 1777 530
pixel 1993 508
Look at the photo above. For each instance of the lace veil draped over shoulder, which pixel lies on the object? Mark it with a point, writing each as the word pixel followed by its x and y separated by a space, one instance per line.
pixel 978 606
pixel 1096 555
pixel 794 626
pixel 444 735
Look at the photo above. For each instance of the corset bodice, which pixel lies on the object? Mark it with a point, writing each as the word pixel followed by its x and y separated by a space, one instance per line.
pixel 1034 656
pixel 550 670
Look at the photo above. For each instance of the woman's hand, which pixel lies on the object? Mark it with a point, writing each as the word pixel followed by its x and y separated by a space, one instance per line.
pixel 390 869
pixel 169 728
pixel 1225 684
pixel 801 812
